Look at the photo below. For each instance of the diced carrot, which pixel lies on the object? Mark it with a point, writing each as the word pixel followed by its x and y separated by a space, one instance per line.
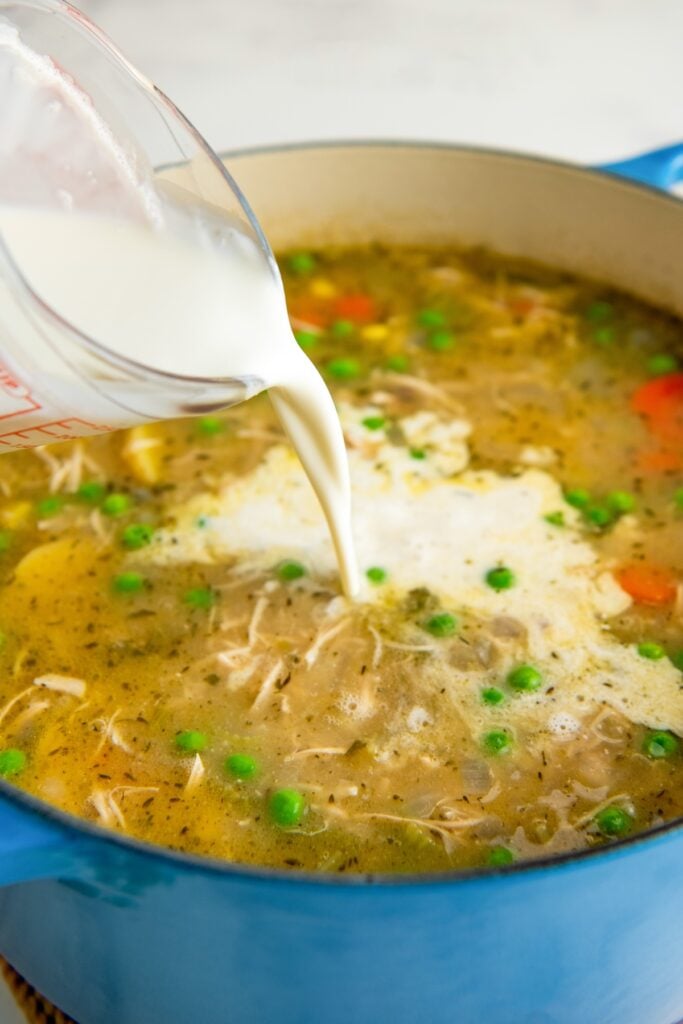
pixel 650 398
pixel 660 401
pixel 647 584
pixel 522 306
pixel 308 312
pixel 660 460
pixel 357 307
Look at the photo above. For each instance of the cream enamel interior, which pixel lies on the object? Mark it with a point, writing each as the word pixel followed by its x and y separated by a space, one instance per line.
pixel 591 224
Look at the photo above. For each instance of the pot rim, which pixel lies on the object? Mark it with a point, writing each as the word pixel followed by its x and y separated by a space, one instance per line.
pixel 254 872
pixel 602 171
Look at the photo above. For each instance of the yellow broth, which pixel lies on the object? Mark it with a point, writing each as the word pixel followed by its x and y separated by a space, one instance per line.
pixel 128 680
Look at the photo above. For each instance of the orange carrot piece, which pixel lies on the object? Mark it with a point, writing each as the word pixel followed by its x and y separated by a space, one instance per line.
pixel 647 584
pixel 660 402
pixel 659 395
pixel 357 307
pixel 660 460
pixel 310 313
pixel 522 306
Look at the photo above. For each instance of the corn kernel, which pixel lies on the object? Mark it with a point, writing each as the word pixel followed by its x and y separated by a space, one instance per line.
pixel 16 515
pixel 321 288
pixel 375 332
pixel 142 453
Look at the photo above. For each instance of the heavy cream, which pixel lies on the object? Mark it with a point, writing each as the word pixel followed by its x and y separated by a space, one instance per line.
pixel 183 308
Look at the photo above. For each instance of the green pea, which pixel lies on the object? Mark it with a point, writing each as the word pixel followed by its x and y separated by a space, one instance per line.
pixel 128 583
pixel 209 426
pixel 12 762
pixel 286 807
pixel 678 498
pixel 441 341
pixel 418 453
pixel 492 696
pixel 137 535
pixel 290 570
pixel 431 318
pixel 343 369
pixel 659 744
pixel 442 624
pixel 306 339
pixel 342 328
pixel 91 491
pixel 5 541
pixel 241 766
pixel 620 502
pixel 498 741
pixel 599 311
pixel 604 335
pixel 397 363
pixel 613 821
pixel 500 857
pixel 577 498
pixel 555 518
pixel 650 650
pixel 374 422
pixel 191 741
pixel 524 678
pixel 500 578
pixel 661 364
pixel 376 574
pixel 677 660
pixel 116 504
pixel 598 515
pixel 301 263
pixel 201 598
pixel 49 507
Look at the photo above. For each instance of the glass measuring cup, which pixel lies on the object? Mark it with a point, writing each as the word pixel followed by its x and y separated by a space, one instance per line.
pixel 81 130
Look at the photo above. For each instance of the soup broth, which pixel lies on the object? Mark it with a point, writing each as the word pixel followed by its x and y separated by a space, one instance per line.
pixel 178 663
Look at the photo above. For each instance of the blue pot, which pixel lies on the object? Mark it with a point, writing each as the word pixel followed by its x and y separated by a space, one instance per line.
pixel 117 932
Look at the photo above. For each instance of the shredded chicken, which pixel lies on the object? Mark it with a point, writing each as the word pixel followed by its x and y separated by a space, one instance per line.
pixel 34 709
pixel 426 648
pixel 379 646
pixel 197 773
pixel 299 755
pixel 232 654
pixel 324 637
pixel 266 688
pixel 111 733
pixel 259 610
pixel 105 803
pixel 62 684
pixel 443 827
pixel 13 702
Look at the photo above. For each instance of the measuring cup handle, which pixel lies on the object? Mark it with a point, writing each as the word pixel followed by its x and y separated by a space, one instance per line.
pixel 661 168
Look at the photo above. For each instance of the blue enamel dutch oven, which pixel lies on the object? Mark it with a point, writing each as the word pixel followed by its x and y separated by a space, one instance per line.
pixel 117 932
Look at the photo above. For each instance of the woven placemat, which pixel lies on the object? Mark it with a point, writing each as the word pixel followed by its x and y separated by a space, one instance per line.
pixel 36 1009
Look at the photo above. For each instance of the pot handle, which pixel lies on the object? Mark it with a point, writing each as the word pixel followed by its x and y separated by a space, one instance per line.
pixel 661 168
pixel 34 845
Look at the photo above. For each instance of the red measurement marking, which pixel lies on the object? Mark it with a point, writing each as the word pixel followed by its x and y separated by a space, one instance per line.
pixel 58 430
pixel 20 393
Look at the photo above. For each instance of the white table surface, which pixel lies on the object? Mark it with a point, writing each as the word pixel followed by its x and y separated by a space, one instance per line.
pixel 587 80
pixel 584 79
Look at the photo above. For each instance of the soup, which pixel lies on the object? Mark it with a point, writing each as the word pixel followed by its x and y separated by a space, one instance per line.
pixel 178 663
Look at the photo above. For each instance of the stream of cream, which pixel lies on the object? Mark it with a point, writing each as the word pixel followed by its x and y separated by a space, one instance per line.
pixel 188 309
